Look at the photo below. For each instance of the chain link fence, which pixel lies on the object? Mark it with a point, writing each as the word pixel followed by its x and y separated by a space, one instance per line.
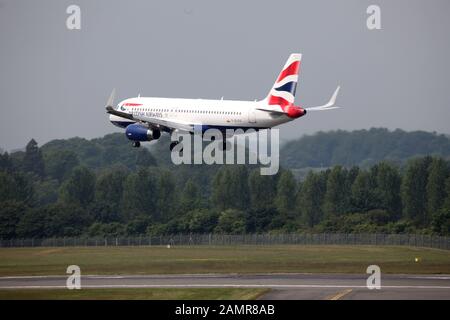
pixel 413 240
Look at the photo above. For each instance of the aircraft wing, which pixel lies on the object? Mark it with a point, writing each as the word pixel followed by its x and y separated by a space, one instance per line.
pixel 169 124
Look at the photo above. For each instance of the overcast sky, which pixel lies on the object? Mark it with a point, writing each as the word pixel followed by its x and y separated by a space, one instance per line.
pixel 54 82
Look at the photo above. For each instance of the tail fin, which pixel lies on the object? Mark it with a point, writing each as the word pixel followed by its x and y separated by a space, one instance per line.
pixel 283 90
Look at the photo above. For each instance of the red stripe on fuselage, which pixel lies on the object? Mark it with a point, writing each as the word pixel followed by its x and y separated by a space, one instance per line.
pixel 132 104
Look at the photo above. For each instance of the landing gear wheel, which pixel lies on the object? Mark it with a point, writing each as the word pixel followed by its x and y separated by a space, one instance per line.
pixel 136 144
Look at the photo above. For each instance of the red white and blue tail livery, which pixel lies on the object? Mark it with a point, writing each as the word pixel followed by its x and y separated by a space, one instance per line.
pixel 283 90
pixel 145 118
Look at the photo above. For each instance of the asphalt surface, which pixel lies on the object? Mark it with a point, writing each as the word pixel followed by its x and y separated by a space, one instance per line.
pixel 283 286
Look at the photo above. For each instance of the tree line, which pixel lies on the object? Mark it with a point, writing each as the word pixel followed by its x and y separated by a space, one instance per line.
pixel 46 193
pixel 363 148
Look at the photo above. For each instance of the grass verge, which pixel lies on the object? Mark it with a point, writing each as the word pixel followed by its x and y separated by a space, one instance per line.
pixel 223 259
pixel 132 294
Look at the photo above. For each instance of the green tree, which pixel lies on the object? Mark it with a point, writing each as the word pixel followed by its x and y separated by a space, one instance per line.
pixel 336 200
pixel 414 190
pixel 45 192
pixel 240 190
pixel 32 160
pixel 202 220
pixel 66 220
pixel 441 219
pixel 16 186
pixel 363 195
pixel 262 195
pixel 35 223
pixel 190 197
pixel 446 204
pixel 435 189
pixel 351 175
pixel 310 198
pixel 231 221
pixel 144 158
pixel 440 222
pixel 59 163
pixel 109 188
pixel 79 188
pixel 230 188
pixel 10 215
pixel 286 191
pixel 5 162
pixel 104 212
pixel 262 219
pixel 137 226
pixel 140 195
pixel 166 195
pixel 387 189
pixel 113 229
pixel 262 190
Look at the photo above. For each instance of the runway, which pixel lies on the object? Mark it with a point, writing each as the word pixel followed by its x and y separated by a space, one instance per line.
pixel 283 286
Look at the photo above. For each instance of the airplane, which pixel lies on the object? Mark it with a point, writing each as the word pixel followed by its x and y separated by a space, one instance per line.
pixel 144 118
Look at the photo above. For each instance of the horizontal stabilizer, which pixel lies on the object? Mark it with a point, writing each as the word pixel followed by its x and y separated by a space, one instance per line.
pixel 271 110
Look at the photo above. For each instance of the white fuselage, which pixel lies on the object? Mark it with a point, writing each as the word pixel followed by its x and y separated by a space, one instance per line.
pixel 221 114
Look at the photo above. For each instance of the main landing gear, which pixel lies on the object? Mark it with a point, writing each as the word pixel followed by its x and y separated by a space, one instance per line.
pixel 136 144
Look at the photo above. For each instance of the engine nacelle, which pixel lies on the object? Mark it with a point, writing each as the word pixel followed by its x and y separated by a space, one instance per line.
pixel 137 132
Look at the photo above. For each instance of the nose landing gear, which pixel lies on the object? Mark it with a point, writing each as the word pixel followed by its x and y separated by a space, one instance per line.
pixel 136 144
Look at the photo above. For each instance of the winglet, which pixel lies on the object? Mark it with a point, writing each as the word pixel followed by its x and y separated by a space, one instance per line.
pixel 329 105
pixel 333 97
pixel 110 102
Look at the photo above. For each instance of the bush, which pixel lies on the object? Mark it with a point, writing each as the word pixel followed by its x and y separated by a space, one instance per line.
pixel 231 221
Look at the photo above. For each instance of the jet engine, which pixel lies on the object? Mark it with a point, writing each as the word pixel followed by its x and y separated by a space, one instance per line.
pixel 137 132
